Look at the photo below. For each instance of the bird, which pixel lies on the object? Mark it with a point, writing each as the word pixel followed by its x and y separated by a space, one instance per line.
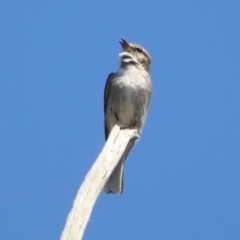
pixel 127 96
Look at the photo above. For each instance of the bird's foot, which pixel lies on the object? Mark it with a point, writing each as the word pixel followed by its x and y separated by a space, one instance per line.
pixel 138 133
pixel 124 127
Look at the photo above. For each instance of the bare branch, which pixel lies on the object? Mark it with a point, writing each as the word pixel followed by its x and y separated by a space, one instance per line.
pixel 95 180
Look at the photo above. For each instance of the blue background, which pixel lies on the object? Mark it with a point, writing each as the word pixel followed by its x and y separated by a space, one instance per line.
pixel 182 178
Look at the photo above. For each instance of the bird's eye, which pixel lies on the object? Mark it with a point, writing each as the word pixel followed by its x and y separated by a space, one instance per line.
pixel 139 50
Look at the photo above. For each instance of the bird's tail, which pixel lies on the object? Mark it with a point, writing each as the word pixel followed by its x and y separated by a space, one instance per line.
pixel 115 182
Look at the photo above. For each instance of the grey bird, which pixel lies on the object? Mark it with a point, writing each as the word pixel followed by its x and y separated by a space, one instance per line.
pixel 126 99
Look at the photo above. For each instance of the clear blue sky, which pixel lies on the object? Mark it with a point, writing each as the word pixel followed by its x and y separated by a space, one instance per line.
pixel 182 179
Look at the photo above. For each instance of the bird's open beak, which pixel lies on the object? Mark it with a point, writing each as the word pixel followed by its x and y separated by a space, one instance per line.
pixel 124 44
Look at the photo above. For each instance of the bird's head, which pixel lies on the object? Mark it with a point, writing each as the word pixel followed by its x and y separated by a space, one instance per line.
pixel 135 53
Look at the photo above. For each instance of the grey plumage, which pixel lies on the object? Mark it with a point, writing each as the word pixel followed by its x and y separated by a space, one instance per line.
pixel 126 100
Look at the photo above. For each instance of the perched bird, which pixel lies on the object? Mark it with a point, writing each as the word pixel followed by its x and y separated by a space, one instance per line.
pixel 126 99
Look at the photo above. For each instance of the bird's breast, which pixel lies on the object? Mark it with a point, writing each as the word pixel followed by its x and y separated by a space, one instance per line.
pixel 132 79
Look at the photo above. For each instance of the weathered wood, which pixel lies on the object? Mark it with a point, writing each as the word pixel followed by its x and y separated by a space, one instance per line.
pixel 94 182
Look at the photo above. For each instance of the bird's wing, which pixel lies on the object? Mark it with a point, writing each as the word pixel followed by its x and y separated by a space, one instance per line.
pixel 106 95
pixel 106 90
